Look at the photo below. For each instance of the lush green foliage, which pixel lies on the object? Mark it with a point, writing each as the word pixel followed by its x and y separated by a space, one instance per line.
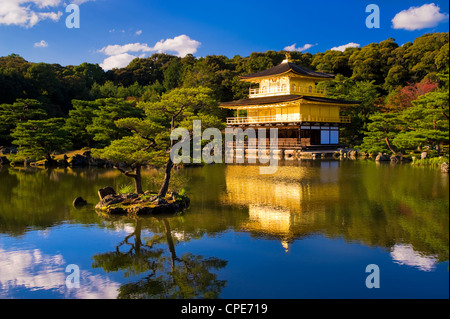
pixel 19 112
pixel 423 125
pixel 405 84
pixel 149 141
pixel 110 110
pixel 40 138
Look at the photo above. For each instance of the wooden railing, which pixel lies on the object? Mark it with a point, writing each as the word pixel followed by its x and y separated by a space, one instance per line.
pixel 270 91
pixel 286 118
pixel 253 143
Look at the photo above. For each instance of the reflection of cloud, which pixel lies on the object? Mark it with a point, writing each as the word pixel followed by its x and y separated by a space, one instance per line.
pixel 30 269
pixel 33 270
pixel 406 255
pixel 95 287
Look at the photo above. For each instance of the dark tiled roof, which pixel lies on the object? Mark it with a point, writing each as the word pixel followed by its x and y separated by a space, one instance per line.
pixel 286 67
pixel 263 100
pixel 284 98
pixel 328 100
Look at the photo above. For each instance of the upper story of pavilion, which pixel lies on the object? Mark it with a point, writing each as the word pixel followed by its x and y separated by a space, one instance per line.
pixel 286 79
pixel 287 93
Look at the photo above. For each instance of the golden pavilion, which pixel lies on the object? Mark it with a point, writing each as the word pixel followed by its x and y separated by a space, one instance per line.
pixel 287 97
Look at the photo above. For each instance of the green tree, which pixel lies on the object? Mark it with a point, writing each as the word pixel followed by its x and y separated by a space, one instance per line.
pixel 46 82
pixel 396 77
pixel 173 75
pixel 20 111
pixel 365 64
pixel 108 89
pixel 80 118
pixel 213 72
pixel 334 62
pixel 442 58
pixel 426 122
pixel 40 138
pixel 366 93
pixel 383 128
pixel 180 107
pixel 110 110
pixel 13 84
pixel 144 147
pixel 92 73
pixel 420 57
pixel 258 62
pixel 150 143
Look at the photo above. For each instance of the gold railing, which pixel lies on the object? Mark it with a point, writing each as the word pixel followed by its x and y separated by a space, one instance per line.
pixel 286 119
pixel 271 91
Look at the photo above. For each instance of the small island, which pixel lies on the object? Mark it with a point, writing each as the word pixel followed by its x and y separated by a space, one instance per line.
pixel 132 204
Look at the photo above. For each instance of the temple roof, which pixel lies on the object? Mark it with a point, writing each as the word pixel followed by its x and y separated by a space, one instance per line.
pixel 286 67
pixel 283 99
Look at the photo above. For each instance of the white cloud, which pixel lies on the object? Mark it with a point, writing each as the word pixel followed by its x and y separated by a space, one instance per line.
pixel 417 18
pixel 42 3
pixel 119 49
pixel 41 44
pixel 23 13
pixel 78 2
pixel 138 32
pixel 27 13
pixel 181 45
pixel 303 48
pixel 117 61
pixel 119 54
pixel 345 46
pixel 55 16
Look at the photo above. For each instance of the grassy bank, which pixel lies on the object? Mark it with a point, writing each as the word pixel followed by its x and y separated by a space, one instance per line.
pixel 432 161
pixel 17 159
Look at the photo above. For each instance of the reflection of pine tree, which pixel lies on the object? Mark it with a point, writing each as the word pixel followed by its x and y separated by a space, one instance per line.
pixel 169 276
pixel 133 257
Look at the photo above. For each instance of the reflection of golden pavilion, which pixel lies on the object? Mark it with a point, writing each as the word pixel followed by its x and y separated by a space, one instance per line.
pixel 272 220
pixel 285 204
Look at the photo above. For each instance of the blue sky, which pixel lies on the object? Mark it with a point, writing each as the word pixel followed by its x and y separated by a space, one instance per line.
pixel 112 32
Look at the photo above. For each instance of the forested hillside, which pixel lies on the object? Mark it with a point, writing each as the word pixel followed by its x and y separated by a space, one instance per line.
pixel 403 91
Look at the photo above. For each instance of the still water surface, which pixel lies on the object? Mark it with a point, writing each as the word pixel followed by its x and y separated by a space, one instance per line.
pixel 308 231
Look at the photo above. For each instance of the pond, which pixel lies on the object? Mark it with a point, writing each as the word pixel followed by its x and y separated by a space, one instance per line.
pixel 308 231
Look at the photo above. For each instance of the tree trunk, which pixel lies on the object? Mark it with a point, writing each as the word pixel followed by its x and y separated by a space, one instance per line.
pixel 169 164
pixel 165 185
pixel 389 145
pixel 138 180
pixel 50 161
pixel 136 176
